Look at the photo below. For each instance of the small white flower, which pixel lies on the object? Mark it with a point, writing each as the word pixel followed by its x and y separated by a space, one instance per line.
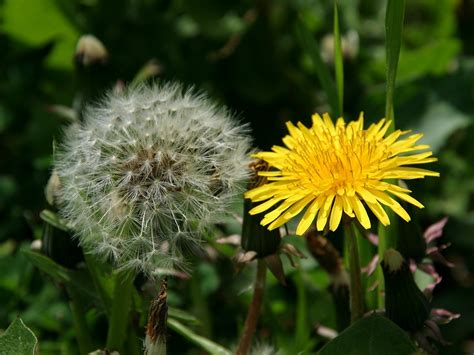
pixel 147 173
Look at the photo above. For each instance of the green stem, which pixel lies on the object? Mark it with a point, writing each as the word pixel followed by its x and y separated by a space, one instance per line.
pixel 92 266
pixel 119 317
pixel 301 327
pixel 254 310
pixel 356 300
pixel 134 344
pixel 80 324
pixel 200 305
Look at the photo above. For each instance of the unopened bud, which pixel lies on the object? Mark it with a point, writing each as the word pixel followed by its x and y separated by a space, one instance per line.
pixel 255 237
pixel 405 304
pixel 52 188
pixel 90 50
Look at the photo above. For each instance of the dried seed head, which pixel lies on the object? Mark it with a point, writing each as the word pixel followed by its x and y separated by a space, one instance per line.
pixel 148 171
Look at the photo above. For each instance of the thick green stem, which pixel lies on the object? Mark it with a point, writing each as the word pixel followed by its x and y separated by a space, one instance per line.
pixel 119 317
pixel 80 324
pixel 356 297
pixel 254 310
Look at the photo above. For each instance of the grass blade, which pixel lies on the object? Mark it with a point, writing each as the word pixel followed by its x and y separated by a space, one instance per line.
pixel 196 339
pixel 338 63
pixel 393 36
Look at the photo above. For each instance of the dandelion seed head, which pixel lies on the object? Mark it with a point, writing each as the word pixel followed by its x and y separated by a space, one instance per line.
pixel 148 171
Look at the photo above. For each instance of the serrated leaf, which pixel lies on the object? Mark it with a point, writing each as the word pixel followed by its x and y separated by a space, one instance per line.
pixel 373 335
pixel 18 339
pixel 203 343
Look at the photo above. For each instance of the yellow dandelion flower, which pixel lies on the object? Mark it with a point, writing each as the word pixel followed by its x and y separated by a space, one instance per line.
pixel 331 169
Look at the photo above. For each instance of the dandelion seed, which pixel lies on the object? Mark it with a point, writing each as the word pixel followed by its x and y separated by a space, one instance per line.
pixel 333 169
pixel 147 173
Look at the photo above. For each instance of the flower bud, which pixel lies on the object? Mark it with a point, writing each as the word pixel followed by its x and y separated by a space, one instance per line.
pixel 255 237
pixel 405 304
pixel 52 188
pixel 90 50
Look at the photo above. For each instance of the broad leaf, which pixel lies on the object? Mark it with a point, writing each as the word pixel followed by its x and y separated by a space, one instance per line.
pixel 38 22
pixel 373 335
pixel 18 339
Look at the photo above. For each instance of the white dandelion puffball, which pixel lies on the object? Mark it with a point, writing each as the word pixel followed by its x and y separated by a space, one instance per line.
pixel 148 171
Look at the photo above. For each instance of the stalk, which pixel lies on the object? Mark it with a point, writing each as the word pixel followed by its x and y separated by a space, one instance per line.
pixel 200 305
pixel 356 300
pixel 92 266
pixel 80 324
pixel 254 310
pixel 119 317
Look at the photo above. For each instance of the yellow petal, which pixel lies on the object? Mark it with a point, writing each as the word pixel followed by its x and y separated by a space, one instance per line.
pixel 324 213
pixel 347 206
pixel 290 213
pixel 390 202
pixel 336 214
pixel 379 212
pixel 309 216
pixel 360 212
pixel 271 216
pixel 264 206
pixel 408 199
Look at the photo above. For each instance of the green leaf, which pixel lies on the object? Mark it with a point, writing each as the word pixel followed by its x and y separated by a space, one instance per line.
pixel 53 219
pixel 373 335
pixel 38 22
pixel 434 58
pixel 78 279
pixel 338 62
pixel 393 35
pixel 309 45
pixel 204 343
pixel 394 17
pixel 182 315
pixel 18 339
pixel 439 121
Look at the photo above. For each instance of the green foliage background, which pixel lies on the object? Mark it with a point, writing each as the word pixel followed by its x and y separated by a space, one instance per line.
pixel 246 55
